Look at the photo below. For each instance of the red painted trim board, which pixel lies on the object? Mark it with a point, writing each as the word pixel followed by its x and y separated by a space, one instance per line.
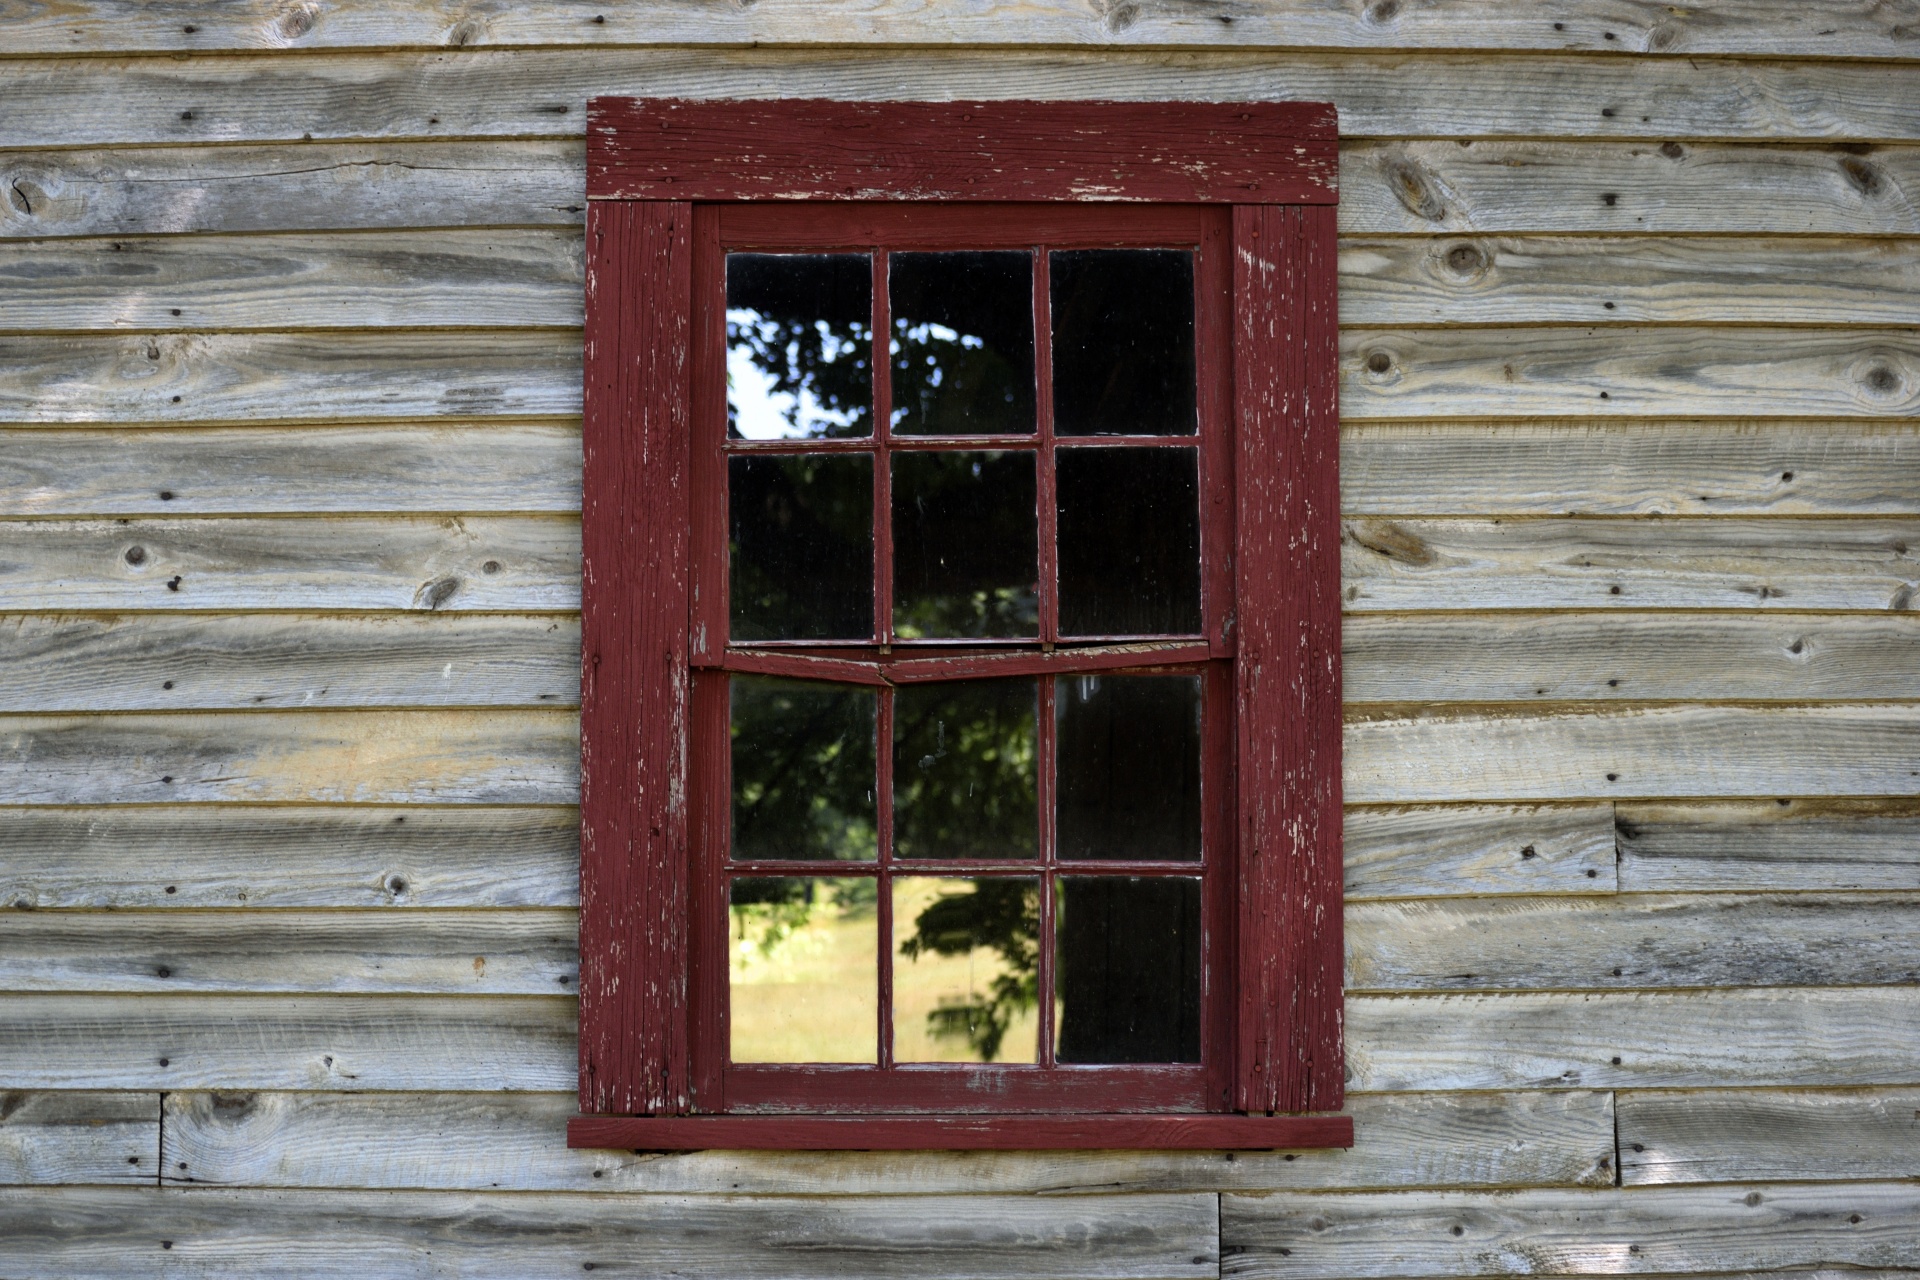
pixel 961 1133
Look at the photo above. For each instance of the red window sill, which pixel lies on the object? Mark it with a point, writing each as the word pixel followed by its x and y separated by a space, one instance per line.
pixel 961 1133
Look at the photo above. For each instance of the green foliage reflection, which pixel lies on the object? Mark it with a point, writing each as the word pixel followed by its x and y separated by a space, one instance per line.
pixel 1002 915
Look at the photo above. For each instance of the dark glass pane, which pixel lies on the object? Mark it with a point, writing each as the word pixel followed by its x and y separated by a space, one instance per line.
pixel 803 769
pixel 966 956
pixel 964 777
pixel 1123 342
pixel 799 345
pixel 962 342
pixel 1127 970
pixel 965 533
pixel 803 970
pixel 800 546
pixel 1128 774
pixel 1129 529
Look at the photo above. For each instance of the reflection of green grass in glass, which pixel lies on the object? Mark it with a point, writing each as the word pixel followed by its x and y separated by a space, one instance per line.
pixel 803 976
pixel 963 970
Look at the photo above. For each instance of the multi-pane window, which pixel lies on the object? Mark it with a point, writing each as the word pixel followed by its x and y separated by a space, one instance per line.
pixel 974 726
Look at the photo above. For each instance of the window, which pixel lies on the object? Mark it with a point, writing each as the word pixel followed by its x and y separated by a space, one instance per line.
pixel 960 676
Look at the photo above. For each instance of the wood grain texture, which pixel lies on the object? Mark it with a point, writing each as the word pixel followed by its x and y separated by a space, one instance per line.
pixel 1659 751
pixel 1621 372
pixel 433 1043
pixel 52 1138
pixel 1612 26
pixel 1771 844
pixel 1620 564
pixel 1762 1135
pixel 275 856
pixel 534 92
pixel 1472 850
pixel 1624 657
pixel 518 952
pixel 451 563
pixel 1620 1040
pixel 1634 942
pixel 635 1041
pixel 663 148
pixel 297 187
pixel 1755 466
pixel 213 662
pixel 414 279
pixel 1387 187
pixel 1655 279
pixel 1638 187
pixel 231 377
pixel 1631 1232
pixel 1287 667
pixel 335 757
pixel 507 1142
pixel 515 466
pixel 265 1235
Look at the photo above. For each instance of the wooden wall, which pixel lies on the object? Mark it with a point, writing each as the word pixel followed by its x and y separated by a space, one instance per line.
pixel 289 477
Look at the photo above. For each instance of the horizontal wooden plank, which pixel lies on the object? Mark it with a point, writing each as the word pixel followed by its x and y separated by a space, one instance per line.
pixel 1605 371
pixel 1598 657
pixel 1664 279
pixel 1745 27
pixel 1414 852
pixel 1683 562
pixel 1762 1135
pixel 508 1142
pixel 1634 942
pixel 1555 1232
pixel 259 1235
pixel 1386 187
pixel 387 1043
pixel 1640 467
pixel 298 187
pixel 452 563
pixel 346 757
pixel 515 466
pixel 1660 751
pixel 519 952
pixel 188 856
pixel 1621 1040
pixel 1550 185
pixel 208 377
pixel 1770 844
pixel 527 93
pixel 151 662
pixel 48 1138
pixel 500 278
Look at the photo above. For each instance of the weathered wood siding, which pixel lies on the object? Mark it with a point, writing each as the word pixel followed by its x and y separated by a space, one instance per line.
pixel 290 367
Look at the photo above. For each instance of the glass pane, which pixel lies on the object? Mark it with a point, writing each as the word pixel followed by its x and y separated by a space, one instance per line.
pixel 803 769
pixel 1129 766
pixel 964 777
pixel 1129 529
pixel 1123 342
pixel 962 342
pixel 965 545
pixel 1126 970
pixel 803 971
pixel 966 956
pixel 799 345
pixel 800 546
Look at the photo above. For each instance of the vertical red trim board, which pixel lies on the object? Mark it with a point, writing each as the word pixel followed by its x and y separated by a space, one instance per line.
pixel 633 714
pixel 1288 566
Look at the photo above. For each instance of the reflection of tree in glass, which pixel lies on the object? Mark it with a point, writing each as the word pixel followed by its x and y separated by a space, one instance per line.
pixel 1004 916
pixel 800 546
pixel 964 777
pixel 962 342
pixel 767 911
pixel 965 538
pixel 803 324
pixel 803 769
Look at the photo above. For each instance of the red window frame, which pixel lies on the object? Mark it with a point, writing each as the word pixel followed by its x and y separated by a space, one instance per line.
pixel 671 184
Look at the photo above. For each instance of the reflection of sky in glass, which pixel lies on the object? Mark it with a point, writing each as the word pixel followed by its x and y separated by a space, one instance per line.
pixel 924 337
pixel 755 408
